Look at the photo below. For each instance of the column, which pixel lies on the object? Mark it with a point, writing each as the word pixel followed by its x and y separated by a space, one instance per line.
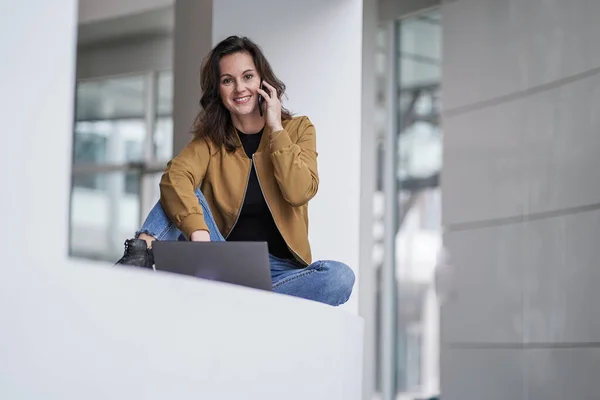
pixel 36 104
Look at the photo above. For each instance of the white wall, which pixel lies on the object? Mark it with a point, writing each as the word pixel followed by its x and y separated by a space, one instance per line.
pixel 315 47
pixel 36 108
pixel 94 332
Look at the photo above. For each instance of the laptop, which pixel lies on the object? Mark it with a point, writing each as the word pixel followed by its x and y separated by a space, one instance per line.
pixel 239 263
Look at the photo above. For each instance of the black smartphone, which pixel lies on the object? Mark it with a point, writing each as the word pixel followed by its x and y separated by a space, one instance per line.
pixel 260 101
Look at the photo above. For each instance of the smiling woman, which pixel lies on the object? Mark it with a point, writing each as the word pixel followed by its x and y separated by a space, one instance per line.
pixel 233 70
pixel 237 88
pixel 246 176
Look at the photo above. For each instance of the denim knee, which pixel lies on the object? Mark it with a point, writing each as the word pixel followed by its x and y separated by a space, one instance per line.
pixel 339 280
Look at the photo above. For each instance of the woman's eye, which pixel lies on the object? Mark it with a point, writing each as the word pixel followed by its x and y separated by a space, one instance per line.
pixel 249 76
pixel 226 81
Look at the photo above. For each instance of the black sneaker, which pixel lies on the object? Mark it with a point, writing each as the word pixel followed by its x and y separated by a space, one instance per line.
pixel 137 254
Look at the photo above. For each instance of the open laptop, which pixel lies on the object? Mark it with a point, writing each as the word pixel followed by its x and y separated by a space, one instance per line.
pixel 240 263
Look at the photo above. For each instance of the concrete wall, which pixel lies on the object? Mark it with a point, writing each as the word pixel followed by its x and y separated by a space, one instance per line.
pixel 521 200
pixel 193 39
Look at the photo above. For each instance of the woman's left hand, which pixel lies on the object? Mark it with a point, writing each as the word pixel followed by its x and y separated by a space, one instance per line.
pixel 272 107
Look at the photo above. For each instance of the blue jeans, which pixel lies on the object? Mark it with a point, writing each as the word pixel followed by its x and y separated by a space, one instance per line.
pixel 328 282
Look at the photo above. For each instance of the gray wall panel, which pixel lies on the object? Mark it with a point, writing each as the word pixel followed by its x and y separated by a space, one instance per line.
pixel 534 154
pixel 498 47
pixel 561 296
pixel 561 374
pixel 486 302
pixel 483 374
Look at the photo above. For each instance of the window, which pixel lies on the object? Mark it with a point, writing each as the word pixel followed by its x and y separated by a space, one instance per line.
pixel 122 138
pixel 408 206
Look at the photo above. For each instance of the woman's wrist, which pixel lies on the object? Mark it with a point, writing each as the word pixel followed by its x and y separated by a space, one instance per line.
pixel 276 128
pixel 274 134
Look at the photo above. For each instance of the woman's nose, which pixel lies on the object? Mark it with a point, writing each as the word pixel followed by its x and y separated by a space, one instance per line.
pixel 240 86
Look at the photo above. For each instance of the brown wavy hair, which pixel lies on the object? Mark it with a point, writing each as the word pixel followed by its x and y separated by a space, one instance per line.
pixel 213 122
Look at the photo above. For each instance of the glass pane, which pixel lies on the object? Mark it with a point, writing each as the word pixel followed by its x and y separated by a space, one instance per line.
pixel 420 49
pixel 415 79
pixel 109 142
pixel 163 139
pixel 383 80
pixel 414 72
pixel 105 209
pixel 418 239
pixel 163 131
pixel 164 105
pixel 111 128
pixel 421 36
pixel 115 98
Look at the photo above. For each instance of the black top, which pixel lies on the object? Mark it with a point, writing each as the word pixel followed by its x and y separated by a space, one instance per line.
pixel 255 223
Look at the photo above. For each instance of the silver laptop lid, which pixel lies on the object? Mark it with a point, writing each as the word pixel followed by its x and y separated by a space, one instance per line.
pixel 240 263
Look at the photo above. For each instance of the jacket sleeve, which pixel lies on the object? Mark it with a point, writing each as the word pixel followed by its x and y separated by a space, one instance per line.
pixel 295 164
pixel 178 185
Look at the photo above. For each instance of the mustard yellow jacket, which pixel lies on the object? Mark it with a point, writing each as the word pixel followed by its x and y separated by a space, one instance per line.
pixel 286 165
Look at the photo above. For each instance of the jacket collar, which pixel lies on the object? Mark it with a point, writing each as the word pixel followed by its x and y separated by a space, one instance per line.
pixel 264 141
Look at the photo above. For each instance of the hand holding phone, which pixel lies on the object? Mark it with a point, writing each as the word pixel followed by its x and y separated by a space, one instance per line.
pixel 272 106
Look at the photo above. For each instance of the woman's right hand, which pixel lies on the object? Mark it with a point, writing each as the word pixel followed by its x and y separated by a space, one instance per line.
pixel 200 236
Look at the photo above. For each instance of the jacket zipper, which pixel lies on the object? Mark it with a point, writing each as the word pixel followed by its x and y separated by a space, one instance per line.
pixel 269 207
pixel 243 199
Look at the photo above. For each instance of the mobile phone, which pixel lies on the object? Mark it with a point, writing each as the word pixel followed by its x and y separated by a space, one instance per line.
pixel 260 101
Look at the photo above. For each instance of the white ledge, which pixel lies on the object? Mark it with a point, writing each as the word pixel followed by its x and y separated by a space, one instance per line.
pixel 85 331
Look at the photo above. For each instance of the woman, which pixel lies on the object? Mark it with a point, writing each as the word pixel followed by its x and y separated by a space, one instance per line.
pixel 247 175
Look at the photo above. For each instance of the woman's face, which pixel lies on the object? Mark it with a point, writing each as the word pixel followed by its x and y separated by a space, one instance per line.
pixel 238 84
